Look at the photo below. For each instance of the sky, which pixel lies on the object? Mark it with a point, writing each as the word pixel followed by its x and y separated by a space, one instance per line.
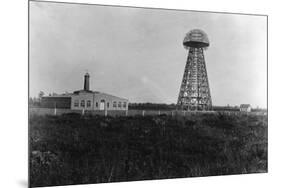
pixel 137 53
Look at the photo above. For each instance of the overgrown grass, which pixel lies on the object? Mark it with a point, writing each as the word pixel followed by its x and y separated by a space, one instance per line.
pixel 71 149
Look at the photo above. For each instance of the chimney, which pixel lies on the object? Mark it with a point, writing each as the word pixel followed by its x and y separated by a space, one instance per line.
pixel 87 82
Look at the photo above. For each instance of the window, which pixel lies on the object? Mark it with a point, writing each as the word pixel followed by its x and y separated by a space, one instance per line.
pixel 97 104
pixel 76 103
pixel 88 103
pixel 114 104
pixel 119 104
pixel 82 104
pixel 124 104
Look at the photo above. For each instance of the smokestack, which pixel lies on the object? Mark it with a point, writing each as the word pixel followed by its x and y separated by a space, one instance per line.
pixel 87 82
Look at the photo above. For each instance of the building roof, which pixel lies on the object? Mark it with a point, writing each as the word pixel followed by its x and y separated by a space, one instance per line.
pixel 82 91
pixel 110 95
pixel 245 105
pixel 58 95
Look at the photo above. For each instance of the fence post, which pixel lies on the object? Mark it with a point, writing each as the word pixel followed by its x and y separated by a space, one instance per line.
pixel 105 112
pixel 143 113
pixel 172 113
pixel 159 113
pixel 126 112
pixel 83 111
pixel 55 112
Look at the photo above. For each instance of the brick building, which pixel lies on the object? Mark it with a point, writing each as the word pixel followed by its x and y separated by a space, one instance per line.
pixel 85 99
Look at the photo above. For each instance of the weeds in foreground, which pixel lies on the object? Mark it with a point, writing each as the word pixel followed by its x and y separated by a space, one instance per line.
pixel 71 149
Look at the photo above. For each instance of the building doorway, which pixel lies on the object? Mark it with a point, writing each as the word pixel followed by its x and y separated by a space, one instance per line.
pixel 102 105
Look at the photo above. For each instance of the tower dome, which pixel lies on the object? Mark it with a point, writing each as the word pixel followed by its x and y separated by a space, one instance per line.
pixel 196 38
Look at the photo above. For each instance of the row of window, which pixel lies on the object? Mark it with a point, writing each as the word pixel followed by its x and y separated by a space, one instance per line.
pixel 82 103
pixel 89 103
pixel 119 104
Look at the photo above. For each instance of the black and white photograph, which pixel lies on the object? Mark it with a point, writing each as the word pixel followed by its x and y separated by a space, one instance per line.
pixel 120 93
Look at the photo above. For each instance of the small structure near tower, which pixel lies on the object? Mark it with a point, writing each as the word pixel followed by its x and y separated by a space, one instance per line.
pixel 194 90
pixel 245 108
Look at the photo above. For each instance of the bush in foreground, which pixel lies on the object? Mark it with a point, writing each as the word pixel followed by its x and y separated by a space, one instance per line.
pixel 72 149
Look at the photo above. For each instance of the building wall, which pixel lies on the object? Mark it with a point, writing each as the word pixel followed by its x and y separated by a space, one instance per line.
pixel 98 102
pixel 110 102
pixel 56 102
pixel 77 100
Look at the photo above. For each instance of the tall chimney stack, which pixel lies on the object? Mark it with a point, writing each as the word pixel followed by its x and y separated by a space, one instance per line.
pixel 87 82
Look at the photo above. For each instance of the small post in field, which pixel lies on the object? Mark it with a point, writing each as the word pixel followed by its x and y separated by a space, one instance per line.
pixel 105 112
pixel 55 111
pixel 83 111
pixel 159 113
pixel 143 113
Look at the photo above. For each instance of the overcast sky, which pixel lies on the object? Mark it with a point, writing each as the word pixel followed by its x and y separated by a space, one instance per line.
pixel 138 53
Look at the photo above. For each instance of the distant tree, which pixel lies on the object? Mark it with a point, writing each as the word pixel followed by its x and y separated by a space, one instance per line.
pixel 152 106
pixel 41 94
pixel 33 102
pixel 30 101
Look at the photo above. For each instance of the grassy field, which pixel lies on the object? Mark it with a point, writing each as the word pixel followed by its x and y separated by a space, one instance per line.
pixel 71 149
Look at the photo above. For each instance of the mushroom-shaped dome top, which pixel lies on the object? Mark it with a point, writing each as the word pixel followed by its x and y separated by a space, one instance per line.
pixel 196 38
